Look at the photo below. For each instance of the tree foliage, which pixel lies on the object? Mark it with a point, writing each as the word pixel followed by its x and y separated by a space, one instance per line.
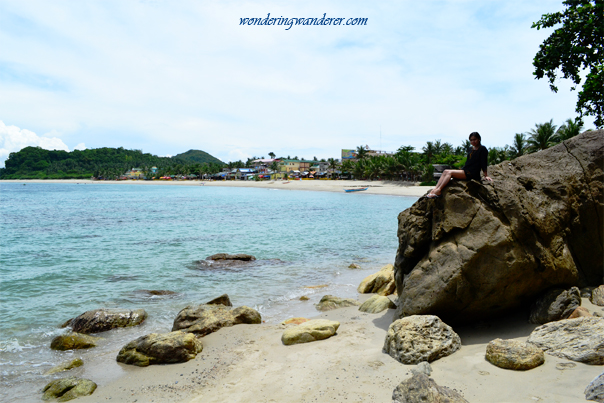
pixel 575 46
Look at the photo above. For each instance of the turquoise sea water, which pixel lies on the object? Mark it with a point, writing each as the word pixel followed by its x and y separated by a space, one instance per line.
pixel 68 248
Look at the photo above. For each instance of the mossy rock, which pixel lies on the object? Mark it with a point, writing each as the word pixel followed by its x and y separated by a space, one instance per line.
pixel 73 341
pixel 68 388
pixel 66 366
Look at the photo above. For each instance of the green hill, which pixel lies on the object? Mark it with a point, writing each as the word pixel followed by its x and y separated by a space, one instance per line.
pixel 197 156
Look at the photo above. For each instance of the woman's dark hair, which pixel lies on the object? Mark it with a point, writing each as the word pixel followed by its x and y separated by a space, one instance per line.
pixel 474 134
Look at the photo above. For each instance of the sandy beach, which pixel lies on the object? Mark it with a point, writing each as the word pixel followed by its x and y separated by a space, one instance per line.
pixel 248 363
pixel 392 188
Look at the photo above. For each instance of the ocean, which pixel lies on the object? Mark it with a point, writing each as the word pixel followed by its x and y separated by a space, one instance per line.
pixel 69 248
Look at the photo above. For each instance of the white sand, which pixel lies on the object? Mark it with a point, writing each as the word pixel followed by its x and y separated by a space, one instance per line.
pixel 374 187
pixel 248 363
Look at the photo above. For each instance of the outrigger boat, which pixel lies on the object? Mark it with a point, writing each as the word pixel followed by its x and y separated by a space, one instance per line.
pixel 355 190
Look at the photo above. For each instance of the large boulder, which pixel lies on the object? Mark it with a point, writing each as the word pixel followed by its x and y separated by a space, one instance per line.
pixel 597 296
pixel 514 354
pixel 101 320
pixel 312 330
pixel 329 302
pixel 381 283
pixel 418 338
pixel 205 319
pixel 154 348
pixel 73 341
pixel 577 339
pixel 595 390
pixel 376 304
pixel 485 248
pixel 556 304
pixel 422 389
pixel 67 389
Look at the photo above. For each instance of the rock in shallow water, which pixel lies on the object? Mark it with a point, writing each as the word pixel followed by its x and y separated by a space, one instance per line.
pixel 418 338
pixel 225 256
pixel 154 348
pixel 313 330
pixel 422 389
pixel 73 341
pixel 101 320
pixel 376 304
pixel 66 366
pixel 205 319
pixel 513 354
pixel 381 283
pixel 556 304
pixel 485 248
pixel 68 388
pixel 222 300
pixel 329 302
pixel 577 339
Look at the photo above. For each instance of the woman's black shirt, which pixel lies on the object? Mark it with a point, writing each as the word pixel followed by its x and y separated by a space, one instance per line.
pixel 477 161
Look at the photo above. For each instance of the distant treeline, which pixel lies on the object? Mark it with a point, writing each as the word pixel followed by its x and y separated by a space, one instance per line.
pixel 109 163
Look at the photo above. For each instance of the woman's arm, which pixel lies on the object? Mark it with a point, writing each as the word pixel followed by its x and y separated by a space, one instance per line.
pixel 484 159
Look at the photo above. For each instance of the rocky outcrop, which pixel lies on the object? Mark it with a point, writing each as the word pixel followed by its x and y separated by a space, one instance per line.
pixel 329 302
pixel 313 330
pixel 577 339
pixel 421 389
pixel 66 366
pixel 484 248
pixel 73 341
pixel 597 296
pixel 381 283
pixel 418 338
pixel 101 320
pixel 222 300
pixel 514 354
pixel 67 389
pixel 595 390
pixel 205 319
pixel 225 256
pixel 376 304
pixel 154 348
pixel 556 304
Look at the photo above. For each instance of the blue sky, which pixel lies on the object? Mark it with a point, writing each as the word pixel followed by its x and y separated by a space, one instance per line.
pixel 169 76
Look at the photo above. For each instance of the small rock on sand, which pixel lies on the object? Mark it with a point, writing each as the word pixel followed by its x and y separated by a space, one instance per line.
pixel 514 354
pixel 313 330
pixel 329 302
pixel 376 304
pixel 421 389
pixel 68 388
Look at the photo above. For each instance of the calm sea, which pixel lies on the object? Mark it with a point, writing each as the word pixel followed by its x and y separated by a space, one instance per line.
pixel 68 248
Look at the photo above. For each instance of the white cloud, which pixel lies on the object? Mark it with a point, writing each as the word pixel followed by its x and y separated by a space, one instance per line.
pixel 80 146
pixel 13 139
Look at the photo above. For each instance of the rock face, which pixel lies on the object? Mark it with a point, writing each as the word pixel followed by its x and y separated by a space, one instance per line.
pixel 313 330
pixel 421 389
pixel 556 304
pixel 513 354
pixel 157 348
pixel 577 339
pixel 376 304
pixel 595 390
pixel 68 388
pixel 597 296
pixel 486 248
pixel 579 312
pixel 76 362
pixel 225 256
pixel 222 300
pixel 329 302
pixel 101 320
pixel 205 319
pixel 381 283
pixel 73 341
pixel 418 338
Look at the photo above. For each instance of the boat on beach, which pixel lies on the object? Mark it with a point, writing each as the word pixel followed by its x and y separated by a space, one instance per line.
pixel 355 190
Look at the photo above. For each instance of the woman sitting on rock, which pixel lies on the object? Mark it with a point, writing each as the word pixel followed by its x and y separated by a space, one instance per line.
pixel 477 161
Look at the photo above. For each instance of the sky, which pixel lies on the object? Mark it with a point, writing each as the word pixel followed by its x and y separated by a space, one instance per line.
pixel 169 76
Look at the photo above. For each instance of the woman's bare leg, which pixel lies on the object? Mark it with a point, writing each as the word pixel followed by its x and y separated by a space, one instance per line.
pixel 445 178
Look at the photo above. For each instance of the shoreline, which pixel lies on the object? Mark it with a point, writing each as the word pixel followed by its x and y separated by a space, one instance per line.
pixel 389 188
pixel 248 363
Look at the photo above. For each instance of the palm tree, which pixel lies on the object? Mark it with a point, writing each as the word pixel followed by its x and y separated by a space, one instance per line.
pixel 361 152
pixel 333 164
pixel 519 145
pixel 429 151
pixel 272 155
pixel 569 129
pixel 542 137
